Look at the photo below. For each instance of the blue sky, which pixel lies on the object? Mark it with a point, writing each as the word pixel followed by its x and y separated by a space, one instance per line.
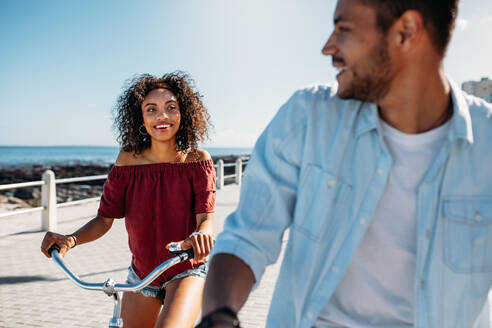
pixel 64 63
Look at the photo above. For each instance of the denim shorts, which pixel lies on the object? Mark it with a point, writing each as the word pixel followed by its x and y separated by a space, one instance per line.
pixel 160 292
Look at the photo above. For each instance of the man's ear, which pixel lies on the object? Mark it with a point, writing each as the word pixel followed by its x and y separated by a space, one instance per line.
pixel 407 30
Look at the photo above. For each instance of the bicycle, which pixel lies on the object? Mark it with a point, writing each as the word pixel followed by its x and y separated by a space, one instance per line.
pixel 111 288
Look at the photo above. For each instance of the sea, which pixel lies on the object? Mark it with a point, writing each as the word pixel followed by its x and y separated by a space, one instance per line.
pixel 46 155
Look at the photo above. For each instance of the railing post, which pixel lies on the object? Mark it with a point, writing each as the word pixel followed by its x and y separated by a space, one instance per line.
pixel 220 174
pixel 48 201
pixel 239 170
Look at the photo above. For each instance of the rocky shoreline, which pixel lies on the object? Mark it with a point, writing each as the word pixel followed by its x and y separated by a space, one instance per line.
pixel 13 199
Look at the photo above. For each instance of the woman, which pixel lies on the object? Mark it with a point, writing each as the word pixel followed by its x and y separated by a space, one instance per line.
pixel 164 186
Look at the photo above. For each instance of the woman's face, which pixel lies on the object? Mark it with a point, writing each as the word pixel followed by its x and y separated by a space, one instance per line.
pixel 161 115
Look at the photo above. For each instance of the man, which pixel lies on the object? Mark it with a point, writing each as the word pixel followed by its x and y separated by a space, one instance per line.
pixel 384 182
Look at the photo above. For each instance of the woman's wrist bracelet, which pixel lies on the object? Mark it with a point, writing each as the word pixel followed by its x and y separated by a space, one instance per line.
pixel 208 320
pixel 196 233
pixel 74 240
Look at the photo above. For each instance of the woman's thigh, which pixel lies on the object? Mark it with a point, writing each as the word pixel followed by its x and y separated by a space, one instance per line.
pixel 139 311
pixel 182 302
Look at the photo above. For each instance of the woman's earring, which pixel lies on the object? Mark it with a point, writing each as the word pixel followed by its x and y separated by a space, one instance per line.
pixel 144 133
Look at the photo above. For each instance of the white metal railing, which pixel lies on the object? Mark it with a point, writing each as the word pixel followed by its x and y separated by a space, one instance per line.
pixel 238 172
pixel 48 197
pixel 21 185
pixel 48 191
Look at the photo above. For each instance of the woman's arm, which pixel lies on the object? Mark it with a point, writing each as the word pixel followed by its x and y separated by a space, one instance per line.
pixel 92 230
pixel 202 239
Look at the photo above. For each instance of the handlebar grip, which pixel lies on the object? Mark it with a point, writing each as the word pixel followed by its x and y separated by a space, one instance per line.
pixel 55 247
pixel 190 252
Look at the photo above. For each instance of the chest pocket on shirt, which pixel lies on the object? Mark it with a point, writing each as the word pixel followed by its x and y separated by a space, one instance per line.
pixel 468 234
pixel 321 198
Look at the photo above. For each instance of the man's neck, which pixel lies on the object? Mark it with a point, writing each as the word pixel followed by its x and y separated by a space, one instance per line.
pixel 418 101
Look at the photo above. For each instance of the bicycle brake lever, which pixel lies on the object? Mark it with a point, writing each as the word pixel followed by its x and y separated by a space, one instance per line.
pixel 175 249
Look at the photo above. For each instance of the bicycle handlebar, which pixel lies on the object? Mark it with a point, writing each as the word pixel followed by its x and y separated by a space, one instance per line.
pixel 109 286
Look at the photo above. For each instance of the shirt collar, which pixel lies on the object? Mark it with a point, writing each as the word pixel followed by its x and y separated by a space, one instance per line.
pixel 461 127
pixel 367 118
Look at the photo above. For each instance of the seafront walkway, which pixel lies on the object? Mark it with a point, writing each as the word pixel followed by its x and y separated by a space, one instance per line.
pixel 35 293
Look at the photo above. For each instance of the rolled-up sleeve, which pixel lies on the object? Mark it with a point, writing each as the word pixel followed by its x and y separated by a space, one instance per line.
pixel 253 232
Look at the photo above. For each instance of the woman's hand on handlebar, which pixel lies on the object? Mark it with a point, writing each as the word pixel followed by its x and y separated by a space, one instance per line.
pixel 64 243
pixel 201 242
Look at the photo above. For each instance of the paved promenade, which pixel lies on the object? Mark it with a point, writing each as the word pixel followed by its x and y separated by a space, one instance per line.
pixel 35 293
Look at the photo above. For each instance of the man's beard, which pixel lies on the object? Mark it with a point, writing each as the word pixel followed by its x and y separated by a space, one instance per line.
pixel 374 85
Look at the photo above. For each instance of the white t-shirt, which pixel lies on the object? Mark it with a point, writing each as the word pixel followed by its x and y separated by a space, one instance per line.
pixel 377 287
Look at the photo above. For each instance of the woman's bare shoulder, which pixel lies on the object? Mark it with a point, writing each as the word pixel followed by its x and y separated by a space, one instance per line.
pixel 198 155
pixel 126 158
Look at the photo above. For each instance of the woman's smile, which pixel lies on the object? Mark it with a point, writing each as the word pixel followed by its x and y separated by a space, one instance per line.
pixel 163 127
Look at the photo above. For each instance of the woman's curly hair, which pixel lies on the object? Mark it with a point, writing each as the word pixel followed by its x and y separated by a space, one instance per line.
pixel 195 120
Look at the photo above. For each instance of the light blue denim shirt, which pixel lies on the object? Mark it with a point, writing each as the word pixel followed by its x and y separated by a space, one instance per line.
pixel 319 170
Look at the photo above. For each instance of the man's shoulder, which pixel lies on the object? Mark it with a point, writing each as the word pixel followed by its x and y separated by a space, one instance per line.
pixel 479 108
pixel 319 102
pixel 318 92
pixel 316 108
pixel 315 98
pixel 480 115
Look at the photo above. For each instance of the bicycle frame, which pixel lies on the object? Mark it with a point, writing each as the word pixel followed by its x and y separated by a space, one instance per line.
pixel 111 288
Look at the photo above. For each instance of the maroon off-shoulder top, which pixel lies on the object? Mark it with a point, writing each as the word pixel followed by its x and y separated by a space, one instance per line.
pixel 159 202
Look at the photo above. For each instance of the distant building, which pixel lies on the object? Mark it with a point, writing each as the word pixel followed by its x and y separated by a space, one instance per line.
pixel 482 89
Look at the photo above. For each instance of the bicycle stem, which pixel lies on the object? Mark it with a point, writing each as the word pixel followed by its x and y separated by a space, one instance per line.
pixel 116 321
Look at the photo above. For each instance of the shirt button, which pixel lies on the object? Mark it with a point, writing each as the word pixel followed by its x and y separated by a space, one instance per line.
pixel 310 315
pixel 422 284
pixel 478 217
pixel 363 221
pixel 335 269
pixel 331 183
pixel 380 171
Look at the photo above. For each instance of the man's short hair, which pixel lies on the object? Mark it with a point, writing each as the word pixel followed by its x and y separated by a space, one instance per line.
pixel 439 16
